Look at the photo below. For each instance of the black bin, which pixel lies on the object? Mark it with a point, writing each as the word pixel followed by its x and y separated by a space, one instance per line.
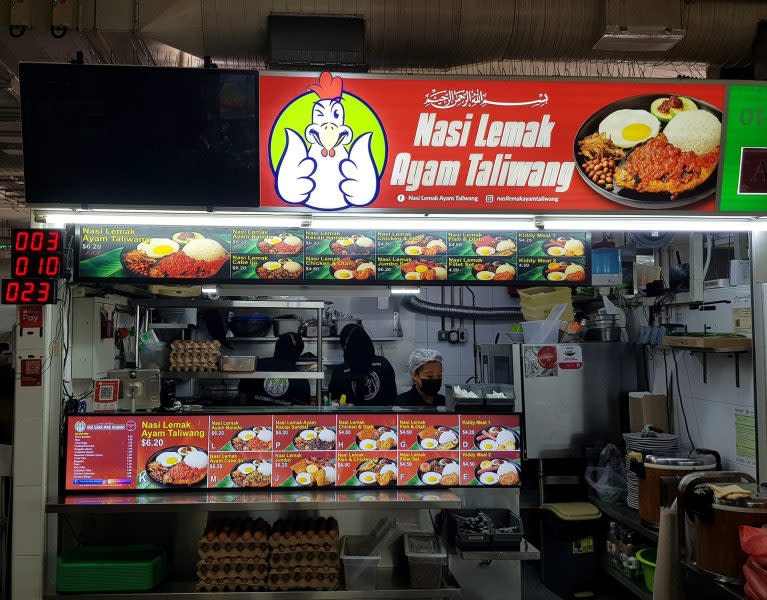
pixel 569 558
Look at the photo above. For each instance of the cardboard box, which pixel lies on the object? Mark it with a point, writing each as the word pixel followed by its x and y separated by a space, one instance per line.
pixel 647 409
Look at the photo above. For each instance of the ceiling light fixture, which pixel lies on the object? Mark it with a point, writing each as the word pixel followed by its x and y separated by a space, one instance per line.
pixel 664 223
pixel 430 222
pixel 405 290
pixel 174 219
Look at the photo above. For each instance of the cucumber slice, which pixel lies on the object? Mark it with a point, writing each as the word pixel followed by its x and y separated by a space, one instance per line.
pixel 664 117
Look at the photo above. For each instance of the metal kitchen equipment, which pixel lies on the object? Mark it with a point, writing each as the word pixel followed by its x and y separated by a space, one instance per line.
pixel 602 328
pixel 576 403
pixel 286 324
pixel 716 550
pixel 139 388
pixel 341 323
pixel 657 469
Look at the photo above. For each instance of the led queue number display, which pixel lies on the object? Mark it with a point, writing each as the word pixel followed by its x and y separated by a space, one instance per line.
pixel 36 262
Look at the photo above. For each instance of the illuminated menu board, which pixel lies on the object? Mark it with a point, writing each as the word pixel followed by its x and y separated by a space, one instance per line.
pixel 320 450
pixel 269 255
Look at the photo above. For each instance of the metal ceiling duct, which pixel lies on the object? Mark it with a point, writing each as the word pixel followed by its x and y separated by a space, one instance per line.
pixel 400 34
pixel 444 34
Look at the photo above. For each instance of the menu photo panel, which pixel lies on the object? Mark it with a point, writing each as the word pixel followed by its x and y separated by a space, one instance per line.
pixel 297 451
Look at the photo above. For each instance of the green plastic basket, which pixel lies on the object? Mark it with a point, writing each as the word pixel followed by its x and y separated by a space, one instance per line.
pixel 647 557
pixel 110 569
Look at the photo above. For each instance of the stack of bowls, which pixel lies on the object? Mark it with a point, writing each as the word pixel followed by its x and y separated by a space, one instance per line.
pixel 645 443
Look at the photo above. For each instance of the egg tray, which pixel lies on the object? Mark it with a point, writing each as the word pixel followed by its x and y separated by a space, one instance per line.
pixel 303 559
pixel 235 586
pixel 227 568
pixel 314 532
pixel 237 530
pixel 217 550
pixel 298 580
pixel 195 345
pixel 502 518
pixel 193 368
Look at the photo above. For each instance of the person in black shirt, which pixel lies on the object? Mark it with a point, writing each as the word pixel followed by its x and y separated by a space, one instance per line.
pixel 364 377
pixel 278 390
pixel 425 368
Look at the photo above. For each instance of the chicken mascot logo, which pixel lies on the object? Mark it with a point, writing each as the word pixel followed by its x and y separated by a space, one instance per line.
pixel 325 167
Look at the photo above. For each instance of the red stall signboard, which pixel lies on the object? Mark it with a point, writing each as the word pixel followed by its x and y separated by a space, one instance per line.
pixel 269 451
pixel 364 142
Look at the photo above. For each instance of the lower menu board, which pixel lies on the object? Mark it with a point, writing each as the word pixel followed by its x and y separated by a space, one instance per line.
pixel 116 452
pixel 268 255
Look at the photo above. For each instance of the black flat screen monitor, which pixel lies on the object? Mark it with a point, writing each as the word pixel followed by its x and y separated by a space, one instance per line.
pixel 116 136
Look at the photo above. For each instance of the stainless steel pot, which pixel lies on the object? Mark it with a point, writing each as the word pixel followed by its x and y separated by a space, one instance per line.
pixel 341 323
pixel 609 334
pixel 287 324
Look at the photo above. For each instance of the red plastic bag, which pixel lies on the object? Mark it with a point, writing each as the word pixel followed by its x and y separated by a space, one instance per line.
pixel 753 541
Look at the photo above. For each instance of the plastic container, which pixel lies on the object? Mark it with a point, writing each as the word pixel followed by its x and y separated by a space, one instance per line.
pixel 537 302
pixel 426 557
pixel 238 364
pixel 541 332
pixel 359 564
pixel 647 558
pixel 509 538
pixel 94 569
pixel 569 560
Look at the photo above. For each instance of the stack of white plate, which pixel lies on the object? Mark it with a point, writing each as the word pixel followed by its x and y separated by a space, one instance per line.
pixel 646 443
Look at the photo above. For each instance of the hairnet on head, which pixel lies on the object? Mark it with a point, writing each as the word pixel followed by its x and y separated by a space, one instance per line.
pixel 420 356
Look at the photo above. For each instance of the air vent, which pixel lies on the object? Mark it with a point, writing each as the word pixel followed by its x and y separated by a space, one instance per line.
pixel 616 39
pixel 311 43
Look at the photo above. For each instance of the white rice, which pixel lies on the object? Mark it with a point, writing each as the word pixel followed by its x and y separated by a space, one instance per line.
pixel 205 249
pixel 696 131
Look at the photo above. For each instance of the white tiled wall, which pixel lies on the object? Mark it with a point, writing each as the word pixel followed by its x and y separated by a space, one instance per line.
pixel 710 406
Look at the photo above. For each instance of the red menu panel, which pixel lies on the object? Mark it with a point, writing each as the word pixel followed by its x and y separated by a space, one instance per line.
pixel 305 433
pixel 250 433
pixel 101 453
pixel 348 450
pixel 367 432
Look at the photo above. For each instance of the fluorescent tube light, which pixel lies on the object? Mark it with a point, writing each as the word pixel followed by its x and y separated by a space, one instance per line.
pixel 209 289
pixel 174 219
pixel 432 223
pixel 405 290
pixel 660 223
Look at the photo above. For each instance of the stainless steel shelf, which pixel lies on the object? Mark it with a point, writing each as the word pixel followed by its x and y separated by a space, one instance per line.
pixel 526 552
pixel 726 590
pixel 635 586
pixel 197 303
pixel 249 500
pixel 625 516
pixel 168 325
pixel 334 339
pixel 249 375
pixel 388 585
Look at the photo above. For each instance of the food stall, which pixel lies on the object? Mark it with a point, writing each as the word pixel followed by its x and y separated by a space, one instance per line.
pixel 384 202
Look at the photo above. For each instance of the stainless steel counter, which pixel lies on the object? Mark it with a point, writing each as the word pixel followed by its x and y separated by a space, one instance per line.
pixel 247 501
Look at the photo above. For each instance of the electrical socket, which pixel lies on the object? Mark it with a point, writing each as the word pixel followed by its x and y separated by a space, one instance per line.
pixel 462 336
pixel 443 335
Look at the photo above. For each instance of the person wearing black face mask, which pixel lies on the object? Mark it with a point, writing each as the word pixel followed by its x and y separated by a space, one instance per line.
pixel 425 368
